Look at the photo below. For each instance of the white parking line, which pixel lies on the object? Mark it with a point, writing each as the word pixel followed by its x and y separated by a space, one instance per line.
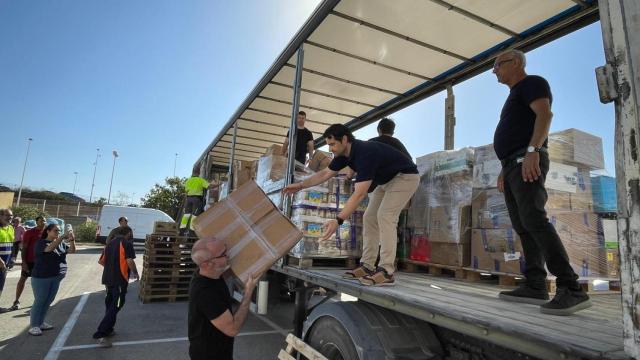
pixel 155 341
pixel 54 352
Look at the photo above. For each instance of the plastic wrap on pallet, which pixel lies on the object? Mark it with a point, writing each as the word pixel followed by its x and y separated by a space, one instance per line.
pixel 486 167
pixel 255 232
pixel 577 148
pixel 312 207
pixel 497 250
pixel 272 169
pixel 445 189
pixel 440 211
pixel 603 190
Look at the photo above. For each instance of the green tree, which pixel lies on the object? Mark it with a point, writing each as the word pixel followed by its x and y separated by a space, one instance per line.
pixel 28 212
pixel 167 197
pixel 86 232
pixel 100 202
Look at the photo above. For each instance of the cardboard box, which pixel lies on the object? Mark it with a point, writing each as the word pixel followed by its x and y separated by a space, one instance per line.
pixel 243 171
pixel 587 261
pixel 451 254
pixel 255 232
pixel 320 160
pixel 489 210
pixel 486 167
pixel 610 232
pixel 603 189
pixel 558 200
pixel 585 228
pixel 576 147
pixel 497 250
pixel 449 225
pixel 274 149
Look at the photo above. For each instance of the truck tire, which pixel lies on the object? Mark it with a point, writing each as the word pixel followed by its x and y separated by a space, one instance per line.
pixel 363 331
pixel 331 339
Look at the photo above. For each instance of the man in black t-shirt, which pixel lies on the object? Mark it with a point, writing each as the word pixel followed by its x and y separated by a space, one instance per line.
pixel 390 176
pixel 212 324
pixel 304 140
pixel 118 266
pixel 386 128
pixel 520 142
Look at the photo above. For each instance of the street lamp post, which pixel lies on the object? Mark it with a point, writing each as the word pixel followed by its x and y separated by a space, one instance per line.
pixel 75 182
pixel 23 170
pixel 115 155
pixel 95 166
pixel 175 161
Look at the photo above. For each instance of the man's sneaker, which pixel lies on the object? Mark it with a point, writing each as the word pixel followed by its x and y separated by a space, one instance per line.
pixel 111 334
pixel 103 342
pixel 379 278
pixel 35 331
pixel 46 326
pixel 525 294
pixel 566 302
pixel 15 306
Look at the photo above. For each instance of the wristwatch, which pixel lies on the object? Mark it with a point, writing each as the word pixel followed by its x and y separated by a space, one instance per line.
pixel 339 220
pixel 531 149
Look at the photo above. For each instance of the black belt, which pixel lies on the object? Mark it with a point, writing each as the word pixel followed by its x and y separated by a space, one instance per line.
pixel 517 157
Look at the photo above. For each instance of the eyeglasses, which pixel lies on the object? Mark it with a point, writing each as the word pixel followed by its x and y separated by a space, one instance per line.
pixel 499 64
pixel 56 231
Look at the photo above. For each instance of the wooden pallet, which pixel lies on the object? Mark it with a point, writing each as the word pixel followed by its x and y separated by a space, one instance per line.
pixel 176 259
pixel 346 262
pixel 161 238
pixel 159 286
pixel 165 227
pixel 295 344
pixel 168 272
pixel 146 299
pixel 433 269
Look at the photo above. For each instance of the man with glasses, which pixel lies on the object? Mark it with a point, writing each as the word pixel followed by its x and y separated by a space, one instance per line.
pixel 212 324
pixel 29 240
pixel 520 142
pixel 6 244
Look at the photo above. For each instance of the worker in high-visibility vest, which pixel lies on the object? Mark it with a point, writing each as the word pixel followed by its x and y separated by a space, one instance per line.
pixel 195 187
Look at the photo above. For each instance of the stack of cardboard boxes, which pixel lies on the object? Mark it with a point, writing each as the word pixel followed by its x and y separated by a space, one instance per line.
pixel 439 215
pixel 312 207
pixel 494 245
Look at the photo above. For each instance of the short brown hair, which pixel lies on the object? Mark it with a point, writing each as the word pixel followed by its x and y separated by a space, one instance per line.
pixel 123 231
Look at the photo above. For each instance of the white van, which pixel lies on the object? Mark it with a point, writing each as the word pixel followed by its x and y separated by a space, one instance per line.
pixel 141 221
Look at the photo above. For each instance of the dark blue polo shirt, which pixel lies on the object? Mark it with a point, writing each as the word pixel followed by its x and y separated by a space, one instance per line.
pixel 49 264
pixel 374 161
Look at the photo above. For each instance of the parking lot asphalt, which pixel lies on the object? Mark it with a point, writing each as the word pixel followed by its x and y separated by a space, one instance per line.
pixel 143 331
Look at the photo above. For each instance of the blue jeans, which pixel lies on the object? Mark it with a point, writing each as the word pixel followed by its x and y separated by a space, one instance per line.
pixel 44 291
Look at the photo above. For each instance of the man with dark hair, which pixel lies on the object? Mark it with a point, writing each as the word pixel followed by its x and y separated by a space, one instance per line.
pixel 304 140
pixel 390 176
pixel 122 221
pixel 118 267
pixel 386 128
pixel 520 142
pixel 29 239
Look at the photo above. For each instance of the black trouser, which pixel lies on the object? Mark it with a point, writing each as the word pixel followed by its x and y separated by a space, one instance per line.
pixel 194 205
pixel 540 241
pixel 113 303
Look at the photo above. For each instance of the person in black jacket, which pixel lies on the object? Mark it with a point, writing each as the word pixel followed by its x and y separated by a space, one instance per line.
pixel 118 266
pixel 386 127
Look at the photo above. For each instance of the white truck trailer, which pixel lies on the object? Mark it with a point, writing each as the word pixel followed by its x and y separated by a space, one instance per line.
pixel 355 61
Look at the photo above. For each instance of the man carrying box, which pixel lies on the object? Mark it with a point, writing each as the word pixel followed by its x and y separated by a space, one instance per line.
pixel 390 176
pixel 520 142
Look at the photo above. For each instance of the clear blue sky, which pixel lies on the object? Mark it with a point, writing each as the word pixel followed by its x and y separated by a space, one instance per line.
pixel 152 79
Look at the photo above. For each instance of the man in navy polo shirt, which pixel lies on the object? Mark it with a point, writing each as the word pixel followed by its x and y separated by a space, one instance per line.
pixel 391 178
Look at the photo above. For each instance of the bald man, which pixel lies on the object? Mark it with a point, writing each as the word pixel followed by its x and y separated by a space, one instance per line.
pixel 520 142
pixel 212 324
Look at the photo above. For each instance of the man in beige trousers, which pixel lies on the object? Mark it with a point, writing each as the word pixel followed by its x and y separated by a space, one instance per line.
pixel 391 178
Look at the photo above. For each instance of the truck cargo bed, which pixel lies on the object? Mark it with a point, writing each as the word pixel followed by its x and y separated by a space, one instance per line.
pixel 473 308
